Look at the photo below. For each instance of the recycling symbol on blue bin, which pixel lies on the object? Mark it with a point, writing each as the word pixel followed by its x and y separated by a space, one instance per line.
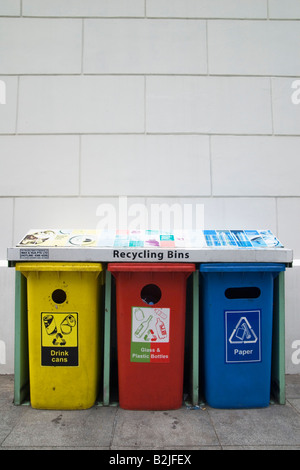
pixel 243 333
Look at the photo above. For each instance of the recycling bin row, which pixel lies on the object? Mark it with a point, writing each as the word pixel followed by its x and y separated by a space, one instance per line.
pixel 65 333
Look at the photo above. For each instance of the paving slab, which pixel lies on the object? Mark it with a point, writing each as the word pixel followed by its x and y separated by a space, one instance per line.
pixel 54 428
pixel 276 425
pixel 6 389
pixel 295 402
pixel 292 386
pixel 182 428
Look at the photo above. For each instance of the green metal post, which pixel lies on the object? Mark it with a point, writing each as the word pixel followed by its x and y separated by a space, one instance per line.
pixel 195 333
pixel 107 336
pixel 21 372
pixel 278 348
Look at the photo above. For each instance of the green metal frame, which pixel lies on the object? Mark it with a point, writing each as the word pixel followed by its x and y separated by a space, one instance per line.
pixel 278 351
pixel 195 339
pixel 21 388
pixel 107 340
pixel 21 385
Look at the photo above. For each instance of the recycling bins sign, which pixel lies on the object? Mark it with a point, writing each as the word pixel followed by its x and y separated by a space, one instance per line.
pixel 150 334
pixel 243 336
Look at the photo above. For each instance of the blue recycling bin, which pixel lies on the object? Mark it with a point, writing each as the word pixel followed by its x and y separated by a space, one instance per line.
pixel 237 318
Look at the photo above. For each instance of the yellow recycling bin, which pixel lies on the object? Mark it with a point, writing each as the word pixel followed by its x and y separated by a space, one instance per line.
pixel 63 333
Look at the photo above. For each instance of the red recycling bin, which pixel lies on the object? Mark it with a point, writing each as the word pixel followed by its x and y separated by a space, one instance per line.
pixel 151 302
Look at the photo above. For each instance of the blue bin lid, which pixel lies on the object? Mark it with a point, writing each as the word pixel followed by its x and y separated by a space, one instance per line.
pixel 241 267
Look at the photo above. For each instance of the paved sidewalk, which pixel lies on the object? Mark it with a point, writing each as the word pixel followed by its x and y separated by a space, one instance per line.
pixel 111 428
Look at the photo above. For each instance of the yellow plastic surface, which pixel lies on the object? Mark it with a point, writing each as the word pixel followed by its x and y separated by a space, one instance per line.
pixel 55 266
pixel 64 334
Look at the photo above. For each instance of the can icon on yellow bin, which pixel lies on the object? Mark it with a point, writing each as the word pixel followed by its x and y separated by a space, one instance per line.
pixel 64 334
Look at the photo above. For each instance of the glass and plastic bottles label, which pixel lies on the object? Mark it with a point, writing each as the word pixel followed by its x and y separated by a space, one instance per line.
pixel 150 334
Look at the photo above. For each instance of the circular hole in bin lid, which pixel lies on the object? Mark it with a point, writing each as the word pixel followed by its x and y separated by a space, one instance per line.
pixel 59 296
pixel 151 294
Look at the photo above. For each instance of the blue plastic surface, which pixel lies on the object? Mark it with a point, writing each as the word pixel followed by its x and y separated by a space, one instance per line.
pixel 237 333
pixel 242 267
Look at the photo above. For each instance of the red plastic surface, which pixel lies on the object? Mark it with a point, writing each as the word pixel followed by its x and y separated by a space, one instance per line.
pixel 151 385
pixel 155 267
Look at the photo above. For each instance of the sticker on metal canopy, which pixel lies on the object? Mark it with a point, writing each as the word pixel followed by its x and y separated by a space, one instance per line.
pixel 34 253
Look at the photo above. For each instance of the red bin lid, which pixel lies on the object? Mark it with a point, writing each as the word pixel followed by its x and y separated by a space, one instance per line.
pixel 146 267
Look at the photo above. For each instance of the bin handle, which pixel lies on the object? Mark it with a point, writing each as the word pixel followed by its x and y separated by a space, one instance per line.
pixel 242 292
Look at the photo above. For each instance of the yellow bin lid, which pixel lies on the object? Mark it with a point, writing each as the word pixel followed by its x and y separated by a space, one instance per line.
pixel 55 266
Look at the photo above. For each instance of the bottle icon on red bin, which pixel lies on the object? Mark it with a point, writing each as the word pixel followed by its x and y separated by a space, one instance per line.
pixel 143 327
pixel 160 313
pixel 161 328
